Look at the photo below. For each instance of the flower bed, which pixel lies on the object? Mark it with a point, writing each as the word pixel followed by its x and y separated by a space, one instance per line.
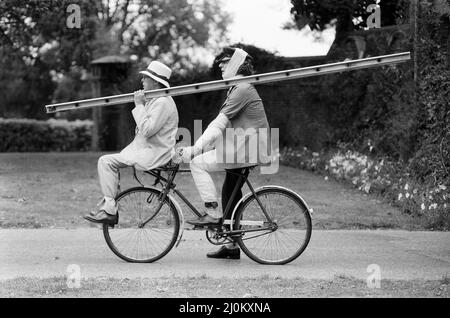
pixel 378 176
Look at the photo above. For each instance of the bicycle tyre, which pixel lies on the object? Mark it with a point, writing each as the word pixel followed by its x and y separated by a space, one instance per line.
pixel 132 204
pixel 292 217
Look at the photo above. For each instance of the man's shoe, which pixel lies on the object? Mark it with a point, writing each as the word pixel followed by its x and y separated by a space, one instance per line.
pixel 102 217
pixel 225 252
pixel 205 220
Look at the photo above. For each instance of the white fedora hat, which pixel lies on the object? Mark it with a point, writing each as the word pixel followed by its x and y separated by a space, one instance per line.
pixel 159 72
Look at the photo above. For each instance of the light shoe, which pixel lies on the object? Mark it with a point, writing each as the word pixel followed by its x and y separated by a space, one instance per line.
pixel 102 217
pixel 205 220
pixel 107 213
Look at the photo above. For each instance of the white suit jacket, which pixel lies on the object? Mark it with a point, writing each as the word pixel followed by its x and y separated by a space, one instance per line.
pixel 156 129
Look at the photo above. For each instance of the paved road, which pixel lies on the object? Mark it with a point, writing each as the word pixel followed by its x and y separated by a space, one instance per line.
pixel 400 254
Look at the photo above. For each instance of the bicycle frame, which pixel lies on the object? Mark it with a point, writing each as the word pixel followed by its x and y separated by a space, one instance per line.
pixel 170 185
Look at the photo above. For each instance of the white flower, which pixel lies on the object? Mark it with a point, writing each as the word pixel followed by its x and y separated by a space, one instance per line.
pixel 406 186
pixel 407 195
pixel 423 206
pixel 433 206
pixel 415 191
pixel 400 196
pixel 442 187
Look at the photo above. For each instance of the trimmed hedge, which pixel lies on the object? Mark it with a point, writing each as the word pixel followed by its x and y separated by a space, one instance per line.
pixel 29 135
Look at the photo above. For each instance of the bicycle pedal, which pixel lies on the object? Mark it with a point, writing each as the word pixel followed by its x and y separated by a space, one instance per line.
pixel 211 227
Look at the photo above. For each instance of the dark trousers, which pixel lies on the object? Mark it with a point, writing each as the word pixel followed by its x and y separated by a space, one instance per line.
pixel 227 189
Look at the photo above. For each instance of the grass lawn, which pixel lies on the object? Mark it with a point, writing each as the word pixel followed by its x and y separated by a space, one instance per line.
pixel 57 189
pixel 204 287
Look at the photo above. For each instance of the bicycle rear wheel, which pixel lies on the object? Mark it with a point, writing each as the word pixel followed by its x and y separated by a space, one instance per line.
pixel 279 242
pixel 134 243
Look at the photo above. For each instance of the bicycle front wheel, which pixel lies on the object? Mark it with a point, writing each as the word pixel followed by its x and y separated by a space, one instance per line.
pixel 132 241
pixel 283 236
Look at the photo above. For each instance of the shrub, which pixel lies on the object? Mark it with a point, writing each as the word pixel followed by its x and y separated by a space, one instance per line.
pixel 389 179
pixel 27 135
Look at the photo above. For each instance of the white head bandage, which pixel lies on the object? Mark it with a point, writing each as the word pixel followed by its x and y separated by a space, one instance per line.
pixel 236 61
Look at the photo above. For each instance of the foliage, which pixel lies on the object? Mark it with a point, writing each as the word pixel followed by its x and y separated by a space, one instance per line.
pixel 391 114
pixel 383 177
pixel 38 50
pixel 23 135
pixel 372 110
pixel 349 14
pixel 431 163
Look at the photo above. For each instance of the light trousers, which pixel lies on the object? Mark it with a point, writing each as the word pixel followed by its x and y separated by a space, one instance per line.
pixel 108 172
pixel 201 166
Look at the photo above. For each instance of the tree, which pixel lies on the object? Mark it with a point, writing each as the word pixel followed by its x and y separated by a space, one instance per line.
pixel 36 42
pixel 380 105
pixel 347 15
pixel 370 106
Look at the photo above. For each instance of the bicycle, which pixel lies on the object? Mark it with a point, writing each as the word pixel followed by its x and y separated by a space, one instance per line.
pixel 271 224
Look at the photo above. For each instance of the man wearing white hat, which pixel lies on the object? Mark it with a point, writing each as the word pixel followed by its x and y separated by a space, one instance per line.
pixel 153 145
pixel 242 109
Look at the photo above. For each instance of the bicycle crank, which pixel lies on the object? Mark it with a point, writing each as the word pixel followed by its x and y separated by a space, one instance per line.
pixel 215 236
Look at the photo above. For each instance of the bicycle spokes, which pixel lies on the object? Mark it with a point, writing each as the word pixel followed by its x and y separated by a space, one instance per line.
pixel 282 237
pixel 147 229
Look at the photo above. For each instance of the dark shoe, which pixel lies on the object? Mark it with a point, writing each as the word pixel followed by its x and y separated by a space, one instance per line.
pixel 102 217
pixel 225 252
pixel 205 220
